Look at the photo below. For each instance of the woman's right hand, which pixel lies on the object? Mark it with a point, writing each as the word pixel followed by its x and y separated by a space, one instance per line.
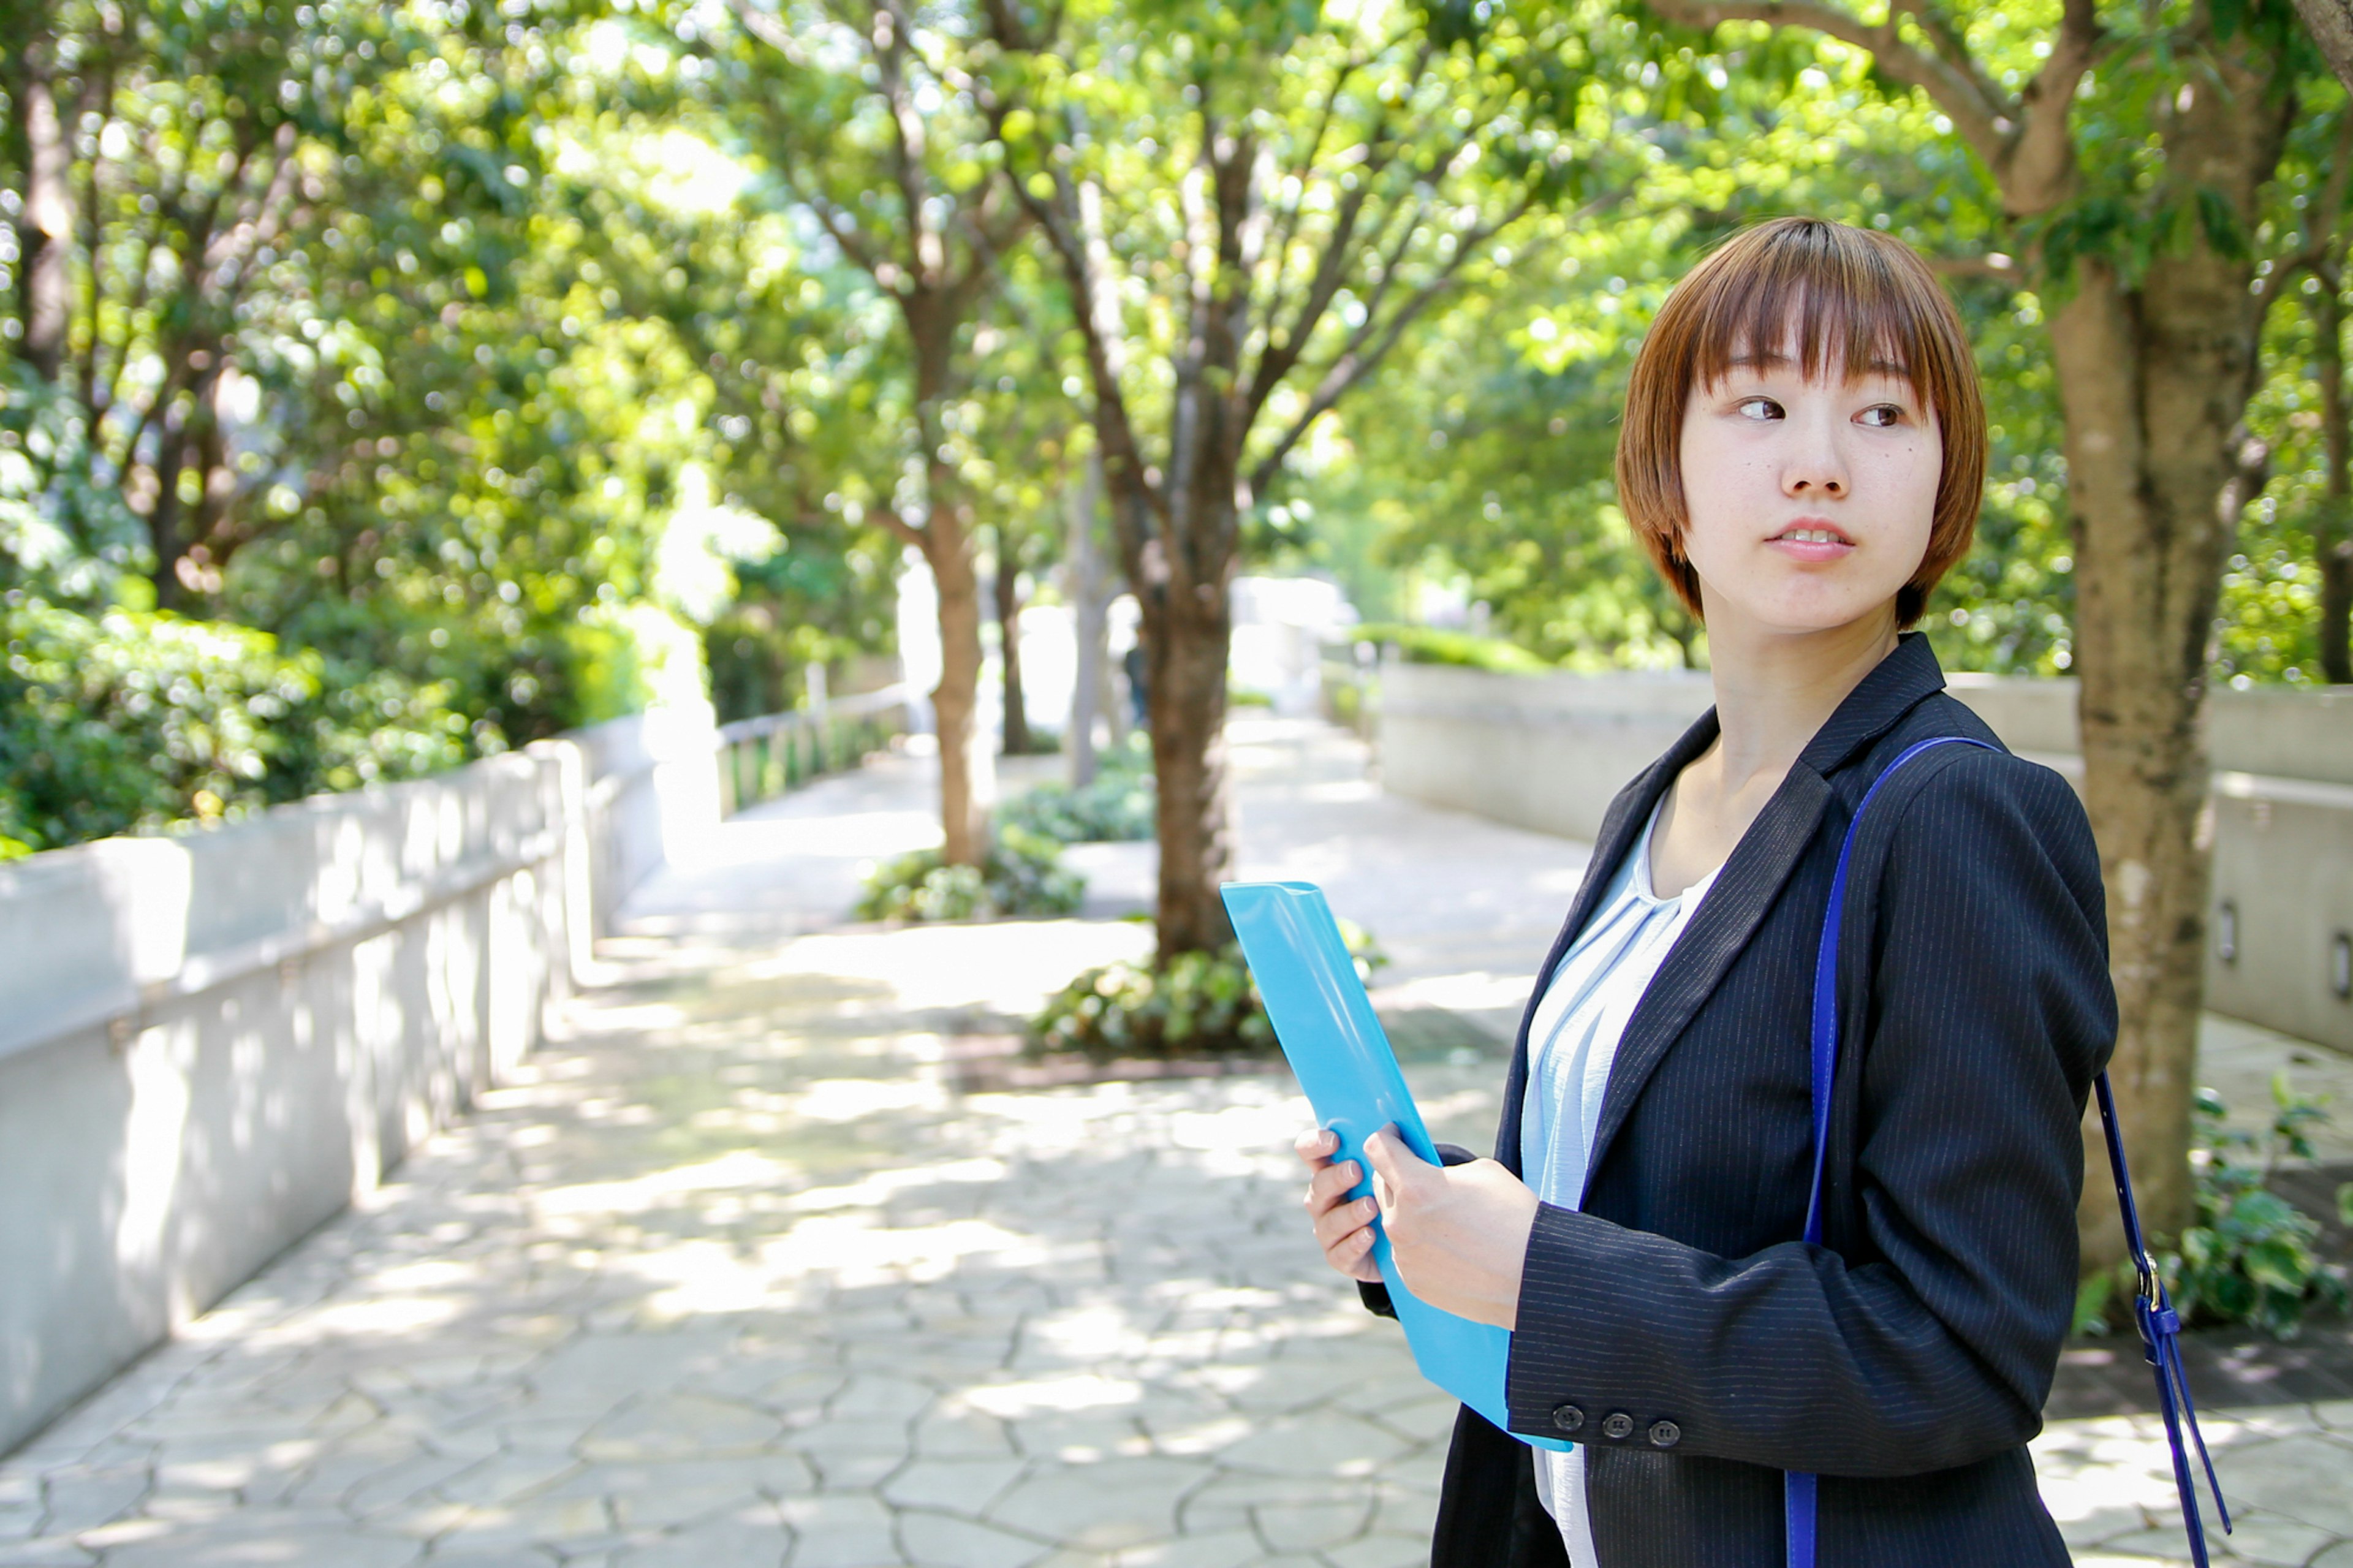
pixel 1343 1228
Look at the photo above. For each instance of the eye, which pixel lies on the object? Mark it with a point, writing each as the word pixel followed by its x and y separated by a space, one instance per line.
pixel 1881 416
pixel 1758 408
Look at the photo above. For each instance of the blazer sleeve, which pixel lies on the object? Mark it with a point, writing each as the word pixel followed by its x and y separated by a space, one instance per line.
pixel 1990 1011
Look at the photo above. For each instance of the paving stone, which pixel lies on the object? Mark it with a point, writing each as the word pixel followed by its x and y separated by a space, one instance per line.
pixel 942 1540
pixel 678 1427
pixel 1215 1549
pixel 1382 1551
pixel 48 1552
pixel 78 1500
pixel 752 1540
pixel 840 1533
pixel 258 1539
pixel 1110 1504
pixel 953 1486
pixel 1302 1527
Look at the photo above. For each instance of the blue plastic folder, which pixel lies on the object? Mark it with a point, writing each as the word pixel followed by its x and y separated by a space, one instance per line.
pixel 1325 1025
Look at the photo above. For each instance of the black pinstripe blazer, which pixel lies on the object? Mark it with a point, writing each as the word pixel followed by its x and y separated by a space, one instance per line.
pixel 1674 1324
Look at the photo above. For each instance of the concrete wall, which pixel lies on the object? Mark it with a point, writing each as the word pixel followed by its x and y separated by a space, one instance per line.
pixel 213 1041
pixel 1548 751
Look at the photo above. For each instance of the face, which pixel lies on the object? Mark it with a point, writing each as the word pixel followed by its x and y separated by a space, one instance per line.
pixel 1810 501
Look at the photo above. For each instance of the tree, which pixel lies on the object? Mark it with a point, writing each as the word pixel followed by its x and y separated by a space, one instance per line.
pixel 2128 158
pixel 2331 22
pixel 857 111
pixel 1249 206
pixel 181 177
pixel 2318 267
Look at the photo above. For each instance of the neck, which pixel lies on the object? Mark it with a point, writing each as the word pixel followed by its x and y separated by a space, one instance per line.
pixel 1774 689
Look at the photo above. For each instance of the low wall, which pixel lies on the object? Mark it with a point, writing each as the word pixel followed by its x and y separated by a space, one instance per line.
pixel 213 1041
pixel 1547 751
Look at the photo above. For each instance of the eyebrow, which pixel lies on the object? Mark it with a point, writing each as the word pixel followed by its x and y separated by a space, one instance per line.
pixel 1888 368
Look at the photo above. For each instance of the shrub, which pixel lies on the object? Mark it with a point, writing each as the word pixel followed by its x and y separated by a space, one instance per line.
pixel 130 722
pixel 1117 805
pixel 1202 1004
pixel 1435 644
pixel 1022 874
pixel 2249 1257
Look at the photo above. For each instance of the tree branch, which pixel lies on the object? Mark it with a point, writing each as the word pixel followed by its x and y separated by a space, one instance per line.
pixel 768 29
pixel 1370 343
pixel 1987 124
pixel 909 147
pixel 1070 220
pixel 2331 23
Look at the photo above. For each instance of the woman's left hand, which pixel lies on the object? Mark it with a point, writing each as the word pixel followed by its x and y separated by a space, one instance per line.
pixel 1458 1234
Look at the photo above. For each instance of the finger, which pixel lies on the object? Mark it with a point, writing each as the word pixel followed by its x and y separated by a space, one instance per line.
pixel 1343 1220
pixel 1350 1249
pixel 1317 1145
pixel 1331 1182
pixel 1388 1156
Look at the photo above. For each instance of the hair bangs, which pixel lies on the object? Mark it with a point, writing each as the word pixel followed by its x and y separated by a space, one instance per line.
pixel 1823 303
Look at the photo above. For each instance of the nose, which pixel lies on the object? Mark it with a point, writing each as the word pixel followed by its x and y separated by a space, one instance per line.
pixel 1816 467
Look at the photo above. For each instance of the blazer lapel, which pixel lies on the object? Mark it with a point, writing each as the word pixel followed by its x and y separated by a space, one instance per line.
pixel 1719 929
pixel 1620 826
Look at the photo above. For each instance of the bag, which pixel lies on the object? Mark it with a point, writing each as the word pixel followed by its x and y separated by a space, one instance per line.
pixel 2160 1326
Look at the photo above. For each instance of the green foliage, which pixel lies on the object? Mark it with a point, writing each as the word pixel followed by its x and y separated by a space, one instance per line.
pixel 1201 1003
pixel 1116 805
pixel 1433 645
pixel 2249 1258
pixel 129 721
pixel 1022 874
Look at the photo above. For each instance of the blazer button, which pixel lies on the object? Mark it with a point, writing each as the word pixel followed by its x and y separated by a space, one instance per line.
pixel 1567 1417
pixel 1665 1434
pixel 1617 1425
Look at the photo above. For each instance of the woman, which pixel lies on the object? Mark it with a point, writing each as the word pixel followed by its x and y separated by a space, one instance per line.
pixel 1802 452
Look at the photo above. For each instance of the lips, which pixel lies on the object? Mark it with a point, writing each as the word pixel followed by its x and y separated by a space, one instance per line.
pixel 1812 539
pixel 1813 531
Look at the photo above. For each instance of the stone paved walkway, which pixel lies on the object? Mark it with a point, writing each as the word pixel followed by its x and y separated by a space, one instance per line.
pixel 737 1274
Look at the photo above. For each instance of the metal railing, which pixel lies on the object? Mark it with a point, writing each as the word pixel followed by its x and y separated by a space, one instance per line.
pixel 760 759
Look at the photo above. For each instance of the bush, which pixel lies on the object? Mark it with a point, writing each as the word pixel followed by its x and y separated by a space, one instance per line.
pixel 131 722
pixel 2249 1258
pixel 1022 874
pixel 1435 644
pixel 1203 1004
pixel 1117 805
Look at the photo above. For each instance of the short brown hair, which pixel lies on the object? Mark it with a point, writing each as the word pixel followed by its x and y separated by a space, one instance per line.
pixel 1849 291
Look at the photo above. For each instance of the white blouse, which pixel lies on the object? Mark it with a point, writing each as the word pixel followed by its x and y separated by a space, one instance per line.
pixel 1572 1041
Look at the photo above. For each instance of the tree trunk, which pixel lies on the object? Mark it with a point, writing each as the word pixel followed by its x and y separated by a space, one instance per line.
pixel 1187 641
pixel 2153 382
pixel 2332 531
pixel 2331 24
pixel 1007 593
pixel 45 225
pixel 968 762
pixel 165 536
pixel 1090 597
pixel 966 773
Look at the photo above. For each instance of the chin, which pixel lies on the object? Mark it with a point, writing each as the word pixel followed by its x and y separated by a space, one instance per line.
pixel 1810 616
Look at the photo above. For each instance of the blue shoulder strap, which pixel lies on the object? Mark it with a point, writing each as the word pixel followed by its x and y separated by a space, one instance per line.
pixel 2160 1326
